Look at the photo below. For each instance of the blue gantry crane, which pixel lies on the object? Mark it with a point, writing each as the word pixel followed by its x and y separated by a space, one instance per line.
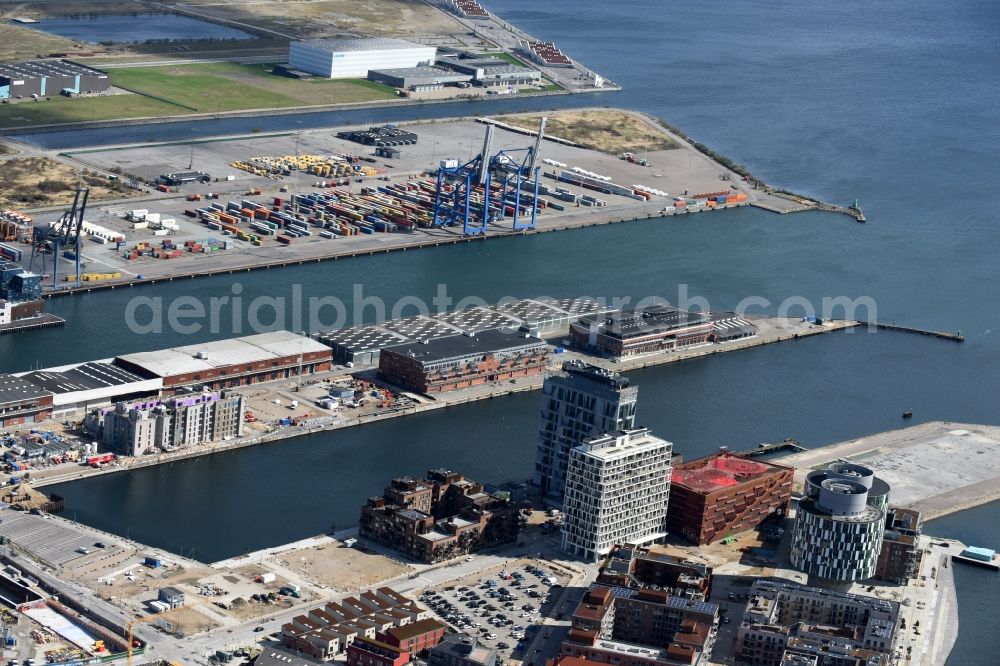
pixel 513 171
pixel 62 235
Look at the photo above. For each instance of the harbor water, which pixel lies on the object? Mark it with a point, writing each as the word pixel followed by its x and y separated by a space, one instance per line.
pixel 893 103
pixel 136 28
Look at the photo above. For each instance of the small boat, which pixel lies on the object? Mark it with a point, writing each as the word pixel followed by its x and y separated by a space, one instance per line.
pixel 908 414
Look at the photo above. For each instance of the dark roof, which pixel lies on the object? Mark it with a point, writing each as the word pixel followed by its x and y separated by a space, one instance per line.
pixel 414 629
pixel 277 656
pixel 652 319
pixel 596 374
pixel 16 389
pixel 83 377
pixel 39 68
pixel 458 346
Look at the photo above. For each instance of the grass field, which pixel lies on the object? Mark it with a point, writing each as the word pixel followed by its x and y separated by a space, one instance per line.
pixel 224 86
pixel 606 130
pixel 39 181
pixel 195 88
pixel 83 109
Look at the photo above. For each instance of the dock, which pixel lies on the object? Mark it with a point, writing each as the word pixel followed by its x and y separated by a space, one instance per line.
pixel 944 335
pixel 45 321
pixel 789 445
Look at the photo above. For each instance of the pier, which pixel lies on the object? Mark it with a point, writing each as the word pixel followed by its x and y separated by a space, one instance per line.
pixel 790 445
pixel 45 321
pixel 944 335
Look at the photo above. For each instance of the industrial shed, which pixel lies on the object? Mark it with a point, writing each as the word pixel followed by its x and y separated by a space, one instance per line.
pixel 50 77
pixel 354 58
pixel 417 77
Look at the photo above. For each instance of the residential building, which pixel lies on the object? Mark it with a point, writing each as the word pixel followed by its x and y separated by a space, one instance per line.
pixel 414 637
pixel 637 567
pixel 461 650
pixel 136 429
pixel 723 494
pixel 899 559
pixel 785 624
pixel 617 487
pixel 460 361
pixel 372 652
pixel 580 402
pixel 440 517
pixel 328 631
pixel 641 627
pixel 353 58
pixel 838 527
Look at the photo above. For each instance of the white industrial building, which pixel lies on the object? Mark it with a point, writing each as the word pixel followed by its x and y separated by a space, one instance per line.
pixel 617 487
pixel 354 58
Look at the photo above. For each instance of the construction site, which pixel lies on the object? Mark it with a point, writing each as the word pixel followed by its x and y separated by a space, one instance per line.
pixel 245 203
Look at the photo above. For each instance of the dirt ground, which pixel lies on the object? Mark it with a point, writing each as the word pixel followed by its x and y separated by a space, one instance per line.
pixel 607 130
pixel 335 17
pixel 40 181
pixel 341 569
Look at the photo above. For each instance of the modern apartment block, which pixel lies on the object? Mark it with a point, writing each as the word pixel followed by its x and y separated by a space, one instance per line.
pixel 637 567
pixel 840 523
pixel 785 623
pixel 641 627
pixel 723 494
pixel 617 487
pixel 899 559
pixel 440 517
pixel 138 428
pixel 580 402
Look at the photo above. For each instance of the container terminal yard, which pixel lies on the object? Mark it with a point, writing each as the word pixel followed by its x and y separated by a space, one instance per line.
pixel 295 198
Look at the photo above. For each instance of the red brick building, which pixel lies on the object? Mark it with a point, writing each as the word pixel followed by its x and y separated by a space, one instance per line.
pixel 414 637
pixel 372 652
pixel 22 402
pixel 460 361
pixel 723 494
pixel 438 518
pixel 654 329
pixel 230 363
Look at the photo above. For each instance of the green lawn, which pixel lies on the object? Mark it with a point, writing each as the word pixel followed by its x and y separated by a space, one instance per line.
pixel 65 110
pixel 505 56
pixel 197 88
pixel 225 86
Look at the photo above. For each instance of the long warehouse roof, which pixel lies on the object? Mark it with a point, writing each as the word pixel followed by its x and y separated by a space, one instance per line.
pixel 222 353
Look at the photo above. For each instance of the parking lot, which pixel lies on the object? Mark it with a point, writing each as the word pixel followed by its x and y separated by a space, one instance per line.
pixel 504 607
pixel 53 541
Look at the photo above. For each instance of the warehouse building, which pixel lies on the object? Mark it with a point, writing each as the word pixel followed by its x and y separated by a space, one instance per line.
pixel 418 78
pixel 460 361
pixel 22 402
pixel 354 58
pixel 491 71
pixel 230 363
pixel 654 329
pixel 725 494
pixel 91 384
pixel 50 77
